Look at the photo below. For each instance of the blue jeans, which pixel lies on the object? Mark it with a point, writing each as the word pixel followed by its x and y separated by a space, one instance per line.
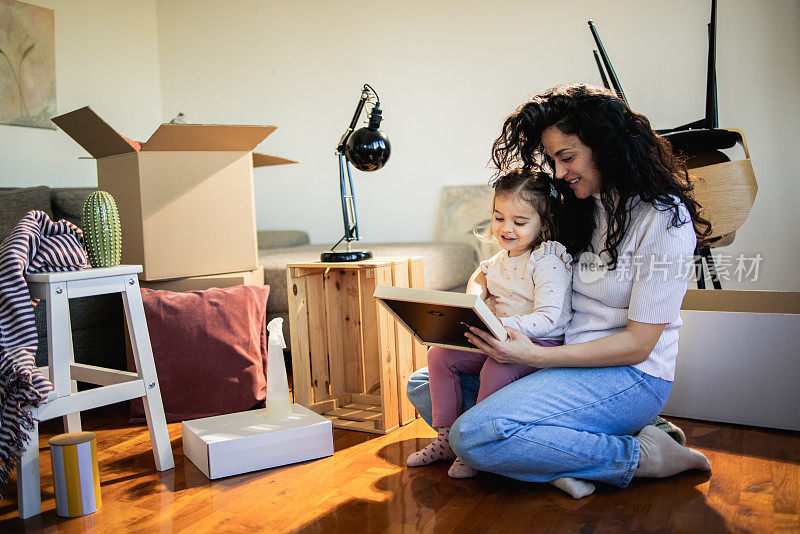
pixel 553 423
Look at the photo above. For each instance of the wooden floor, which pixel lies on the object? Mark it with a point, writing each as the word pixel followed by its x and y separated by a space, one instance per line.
pixel 365 488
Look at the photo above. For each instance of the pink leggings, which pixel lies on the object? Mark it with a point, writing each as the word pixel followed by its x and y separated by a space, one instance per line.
pixel 445 367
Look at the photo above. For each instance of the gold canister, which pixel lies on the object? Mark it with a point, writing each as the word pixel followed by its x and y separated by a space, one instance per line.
pixel 75 474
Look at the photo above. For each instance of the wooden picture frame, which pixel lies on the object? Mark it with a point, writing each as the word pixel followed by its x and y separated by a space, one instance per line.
pixel 439 318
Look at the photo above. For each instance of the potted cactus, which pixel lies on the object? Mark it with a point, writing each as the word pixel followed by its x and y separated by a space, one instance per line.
pixel 102 233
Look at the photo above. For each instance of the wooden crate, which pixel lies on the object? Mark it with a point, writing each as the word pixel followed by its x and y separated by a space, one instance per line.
pixel 350 359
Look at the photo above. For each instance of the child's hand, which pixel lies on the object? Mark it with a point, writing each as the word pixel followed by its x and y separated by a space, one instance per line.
pixel 508 302
pixel 477 284
pixel 491 302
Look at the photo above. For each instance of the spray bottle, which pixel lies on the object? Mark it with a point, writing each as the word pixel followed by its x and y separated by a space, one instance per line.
pixel 278 404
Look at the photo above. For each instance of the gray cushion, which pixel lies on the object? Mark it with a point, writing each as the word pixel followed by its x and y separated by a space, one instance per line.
pixel 68 202
pixel 463 209
pixel 15 203
pixel 446 265
pixel 97 330
pixel 281 238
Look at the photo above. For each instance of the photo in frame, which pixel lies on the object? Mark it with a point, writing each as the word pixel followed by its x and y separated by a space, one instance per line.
pixel 439 318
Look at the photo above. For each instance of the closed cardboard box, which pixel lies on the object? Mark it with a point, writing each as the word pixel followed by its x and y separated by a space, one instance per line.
pixel 185 197
pixel 739 359
pixel 199 283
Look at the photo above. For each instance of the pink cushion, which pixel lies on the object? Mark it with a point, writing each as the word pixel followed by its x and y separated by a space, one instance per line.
pixel 210 350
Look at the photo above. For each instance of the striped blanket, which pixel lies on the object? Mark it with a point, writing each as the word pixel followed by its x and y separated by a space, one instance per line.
pixel 36 245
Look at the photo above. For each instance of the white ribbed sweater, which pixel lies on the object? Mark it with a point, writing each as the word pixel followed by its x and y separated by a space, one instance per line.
pixel 648 285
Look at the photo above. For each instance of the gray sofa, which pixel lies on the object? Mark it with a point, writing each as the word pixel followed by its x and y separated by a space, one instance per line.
pixel 97 322
pixel 447 266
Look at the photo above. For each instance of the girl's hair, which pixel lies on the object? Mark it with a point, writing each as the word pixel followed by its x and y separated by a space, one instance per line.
pixel 631 158
pixel 537 189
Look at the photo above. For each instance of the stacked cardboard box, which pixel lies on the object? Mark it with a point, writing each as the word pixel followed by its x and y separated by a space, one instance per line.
pixel 185 198
pixel 197 283
pixel 738 360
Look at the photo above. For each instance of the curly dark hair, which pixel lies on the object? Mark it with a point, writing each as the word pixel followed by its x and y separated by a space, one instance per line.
pixel 535 188
pixel 631 158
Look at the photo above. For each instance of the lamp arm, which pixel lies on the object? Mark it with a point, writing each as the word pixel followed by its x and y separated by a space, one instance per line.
pixel 350 129
pixel 344 195
pixel 362 101
pixel 352 219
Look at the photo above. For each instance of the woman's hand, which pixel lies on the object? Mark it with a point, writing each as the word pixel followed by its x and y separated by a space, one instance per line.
pixel 629 347
pixel 516 349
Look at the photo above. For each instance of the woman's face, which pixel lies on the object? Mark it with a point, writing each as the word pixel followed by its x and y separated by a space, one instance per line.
pixel 574 161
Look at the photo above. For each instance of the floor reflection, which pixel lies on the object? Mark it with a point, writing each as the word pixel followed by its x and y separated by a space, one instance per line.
pixel 365 487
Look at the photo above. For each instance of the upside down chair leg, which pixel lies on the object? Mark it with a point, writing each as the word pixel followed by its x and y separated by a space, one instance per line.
pixel 698 269
pixel 712 268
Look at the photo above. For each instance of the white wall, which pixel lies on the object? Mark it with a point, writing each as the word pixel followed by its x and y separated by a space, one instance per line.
pixel 448 73
pixel 759 70
pixel 107 58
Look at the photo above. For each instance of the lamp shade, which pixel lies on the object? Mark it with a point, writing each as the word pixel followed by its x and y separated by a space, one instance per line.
pixel 368 149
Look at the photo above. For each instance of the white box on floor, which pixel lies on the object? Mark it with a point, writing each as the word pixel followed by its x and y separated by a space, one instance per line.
pixel 227 445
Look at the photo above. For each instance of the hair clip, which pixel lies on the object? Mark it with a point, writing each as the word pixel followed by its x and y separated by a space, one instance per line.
pixel 553 190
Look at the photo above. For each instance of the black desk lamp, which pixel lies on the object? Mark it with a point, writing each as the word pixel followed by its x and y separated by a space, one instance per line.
pixel 368 150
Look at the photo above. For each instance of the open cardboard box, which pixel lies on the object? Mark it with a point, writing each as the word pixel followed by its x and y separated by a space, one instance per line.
pixel 739 359
pixel 185 196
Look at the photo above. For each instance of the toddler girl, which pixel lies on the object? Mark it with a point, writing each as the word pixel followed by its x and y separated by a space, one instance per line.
pixel 528 286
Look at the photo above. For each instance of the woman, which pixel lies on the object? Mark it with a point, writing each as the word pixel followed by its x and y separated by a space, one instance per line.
pixel 629 219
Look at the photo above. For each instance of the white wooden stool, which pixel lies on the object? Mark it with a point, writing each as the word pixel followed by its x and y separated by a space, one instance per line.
pixel 117 386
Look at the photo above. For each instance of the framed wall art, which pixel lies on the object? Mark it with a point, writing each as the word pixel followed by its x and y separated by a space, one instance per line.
pixel 27 65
